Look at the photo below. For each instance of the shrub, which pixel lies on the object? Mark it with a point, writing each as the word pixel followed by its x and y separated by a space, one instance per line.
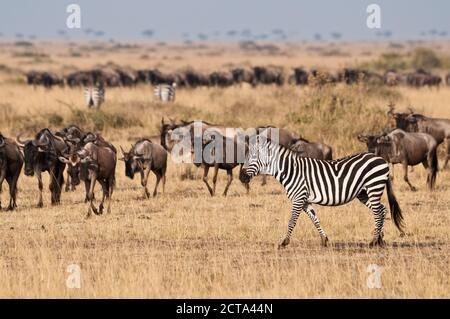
pixel 423 58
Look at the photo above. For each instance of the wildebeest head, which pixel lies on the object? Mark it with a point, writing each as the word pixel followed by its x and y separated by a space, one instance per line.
pixel 370 140
pixel 133 162
pixel 2 140
pixel 33 152
pixel 73 162
pixel 402 120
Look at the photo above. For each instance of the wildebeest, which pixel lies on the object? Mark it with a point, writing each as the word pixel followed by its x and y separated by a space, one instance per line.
pixel 95 163
pixel 423 78
pixel 400 147
pixel 447 79
pixel 41 154
pixel 299 77
pixel 241 75
pixel 11 162
pixel 436 127
pixel 305 148
pixel 221 79
pixel 264 75
pixel 47 79
pixel 226 137
pixel 143 157
pixel 76 139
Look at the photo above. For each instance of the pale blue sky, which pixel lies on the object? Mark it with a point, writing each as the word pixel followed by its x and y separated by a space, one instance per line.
pixel 170 19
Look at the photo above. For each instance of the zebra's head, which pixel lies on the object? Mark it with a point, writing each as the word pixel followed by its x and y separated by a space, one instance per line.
pixel 257 159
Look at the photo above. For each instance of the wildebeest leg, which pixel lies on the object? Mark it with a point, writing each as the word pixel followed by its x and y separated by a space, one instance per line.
pixel 391 171
pixel 144 181
pixel 158 178
pixel 405 176
pixel 12 182
pixel 447 158
pixel 264 181
pixel 205 179
pixel 56 181
pixel 230 179
pixel 91 195
pixel 68 181
pixel 163 172
pixel 2 178
pixel 428 169
pixel 216 171
pixel 105 191
pixel 41 187
pixel 110 192
pixel 87 183
pixel 315 219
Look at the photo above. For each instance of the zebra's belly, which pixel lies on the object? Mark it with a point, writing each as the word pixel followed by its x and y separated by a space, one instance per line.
pixel 332 200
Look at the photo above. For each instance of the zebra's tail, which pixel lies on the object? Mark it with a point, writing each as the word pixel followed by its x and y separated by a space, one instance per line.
pixel 396 212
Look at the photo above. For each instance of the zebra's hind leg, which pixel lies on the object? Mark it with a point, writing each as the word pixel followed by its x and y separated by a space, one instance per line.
pixel 371 199
pixel 297 207
pixel 315 219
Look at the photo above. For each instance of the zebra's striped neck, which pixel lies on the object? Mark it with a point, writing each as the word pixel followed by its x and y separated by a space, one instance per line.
pixel 278 161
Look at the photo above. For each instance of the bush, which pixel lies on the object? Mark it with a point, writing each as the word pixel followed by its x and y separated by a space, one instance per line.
pixel 99 120
pixel 423 58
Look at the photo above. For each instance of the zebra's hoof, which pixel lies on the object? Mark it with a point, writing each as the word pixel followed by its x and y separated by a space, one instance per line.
pixel 324 241
pixel 40 205
pixel 284 243
pixel 377 243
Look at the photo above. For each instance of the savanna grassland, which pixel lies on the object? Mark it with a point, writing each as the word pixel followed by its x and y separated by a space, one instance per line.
pixel 183 243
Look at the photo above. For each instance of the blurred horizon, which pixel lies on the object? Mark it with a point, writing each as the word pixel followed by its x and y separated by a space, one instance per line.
pixel 231 21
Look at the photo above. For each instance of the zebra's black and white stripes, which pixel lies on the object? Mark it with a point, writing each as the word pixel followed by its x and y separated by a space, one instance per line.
pixel 330 183
pixel 94 96
pixel 165 92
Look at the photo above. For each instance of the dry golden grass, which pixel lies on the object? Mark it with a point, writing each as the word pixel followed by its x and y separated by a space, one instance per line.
pixel 184 243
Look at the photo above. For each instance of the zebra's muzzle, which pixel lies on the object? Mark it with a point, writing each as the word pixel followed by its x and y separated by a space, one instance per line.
pixel 244 177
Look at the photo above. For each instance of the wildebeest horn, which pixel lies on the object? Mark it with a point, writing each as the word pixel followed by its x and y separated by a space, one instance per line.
pixel 162 120
pixel 121 149
pixel 391 108
pixel 410 110
pixel 19 141
pixel 45 143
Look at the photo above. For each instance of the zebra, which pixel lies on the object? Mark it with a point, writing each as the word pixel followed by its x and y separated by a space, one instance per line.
pixel 94 96
pixel 165 92
pixel 310 181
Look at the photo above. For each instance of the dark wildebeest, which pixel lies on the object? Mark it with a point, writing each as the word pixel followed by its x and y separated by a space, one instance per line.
pixel 143 157
pixel 76 140
pixel 299 77
pixel 436 127
pixel 215 152
pixel 311 149
pixel 400 147
pixel 184 131
pixel 11 162
pixel 95 163
pixel 41 154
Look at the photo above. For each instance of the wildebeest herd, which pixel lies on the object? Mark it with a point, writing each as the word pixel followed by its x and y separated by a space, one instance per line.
pixel 114 76
pixel 88 157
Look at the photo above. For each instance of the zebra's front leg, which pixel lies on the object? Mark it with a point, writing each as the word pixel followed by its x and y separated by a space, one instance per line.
pixel 296 210
pixel 315 219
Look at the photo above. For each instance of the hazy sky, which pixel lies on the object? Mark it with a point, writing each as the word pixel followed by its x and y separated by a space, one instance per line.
pixel 170 19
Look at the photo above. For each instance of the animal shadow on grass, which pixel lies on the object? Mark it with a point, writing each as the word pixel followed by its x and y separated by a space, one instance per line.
pixel 363 245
